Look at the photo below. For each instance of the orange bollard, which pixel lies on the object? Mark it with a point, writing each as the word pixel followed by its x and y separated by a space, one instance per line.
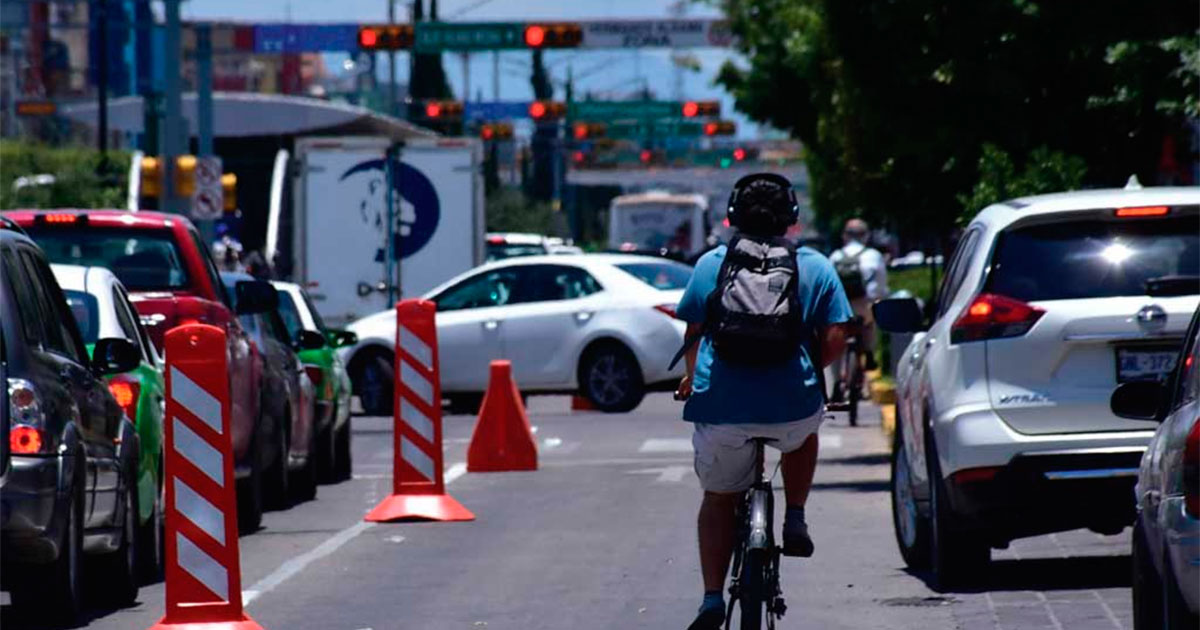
pixel 503 439
pixel 203 571
pixel 579 403
pixel 418 483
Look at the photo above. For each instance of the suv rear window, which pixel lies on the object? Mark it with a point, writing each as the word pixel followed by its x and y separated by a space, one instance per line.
pixel 1093 258
pixel 144 260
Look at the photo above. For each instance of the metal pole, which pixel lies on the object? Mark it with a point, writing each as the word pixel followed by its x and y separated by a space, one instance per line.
pixel 174 141
pixel 204 110
pixel 496 75
pixel 466 61
pixel 102 78
pixel 393 93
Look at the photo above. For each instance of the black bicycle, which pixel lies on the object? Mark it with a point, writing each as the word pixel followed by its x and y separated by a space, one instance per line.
pixel 755 589
pixel 847 389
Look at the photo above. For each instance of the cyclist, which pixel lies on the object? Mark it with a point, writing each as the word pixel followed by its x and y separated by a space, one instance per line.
pixel 731 401
pixel 863 273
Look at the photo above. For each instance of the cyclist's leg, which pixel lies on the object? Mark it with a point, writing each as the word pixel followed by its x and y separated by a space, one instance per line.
pixel 799 443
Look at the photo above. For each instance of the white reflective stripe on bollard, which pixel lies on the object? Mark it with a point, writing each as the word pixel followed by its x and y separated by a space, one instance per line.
pixel 199 511
pixel 417 420
pixel 192 397
pixel 415 457
pixel 202 566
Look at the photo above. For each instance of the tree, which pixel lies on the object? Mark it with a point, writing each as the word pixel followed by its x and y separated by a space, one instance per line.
pixel 81 178
pixel 895 101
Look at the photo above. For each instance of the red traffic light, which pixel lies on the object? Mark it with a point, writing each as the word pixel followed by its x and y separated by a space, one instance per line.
pixel 578 157
pixel 720 128
pixel 537 109
pixel 646 156
pixel 368 38
pixel 547 110
pixel 690 109
pixel 535 36
pixel 581 131
pixel 433 110
pixel 487 133
pixel 443 110
pixel 385 36
pixel 710 129
pixel 560 35
pixel 739 154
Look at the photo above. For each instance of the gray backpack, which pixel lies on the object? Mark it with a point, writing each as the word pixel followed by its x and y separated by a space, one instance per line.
pixel 754 315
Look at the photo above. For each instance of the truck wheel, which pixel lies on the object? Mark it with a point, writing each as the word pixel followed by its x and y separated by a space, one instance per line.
pixel 343 460
pixel 275 488
pixel 610 378
pixel 375 384
pixel 56 589
pixel 117 576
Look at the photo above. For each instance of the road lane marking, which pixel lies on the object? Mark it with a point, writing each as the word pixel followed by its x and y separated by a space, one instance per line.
pixel 666 445
pixel 666 474
pixel 831 440
pixel 292 567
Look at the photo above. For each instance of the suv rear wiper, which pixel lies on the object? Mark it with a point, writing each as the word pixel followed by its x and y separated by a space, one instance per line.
pixel 1171 286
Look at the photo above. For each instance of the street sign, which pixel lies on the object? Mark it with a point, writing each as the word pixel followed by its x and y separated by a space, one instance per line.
pixel 495 110
pixel 603 111
pixel 294 38
pixel 679 33
pixel 208 200
pixel 661 128
pixel 439 36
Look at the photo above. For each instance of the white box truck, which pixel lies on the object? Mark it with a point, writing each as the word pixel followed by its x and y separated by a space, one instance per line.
pixel 341 233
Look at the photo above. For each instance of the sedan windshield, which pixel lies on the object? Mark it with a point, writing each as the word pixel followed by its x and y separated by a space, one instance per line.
pixel 144 260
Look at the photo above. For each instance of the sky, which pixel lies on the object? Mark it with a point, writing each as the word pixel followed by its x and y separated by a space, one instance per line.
pixel 608 73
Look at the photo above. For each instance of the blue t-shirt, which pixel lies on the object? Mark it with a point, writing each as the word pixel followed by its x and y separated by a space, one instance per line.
pixel 724 393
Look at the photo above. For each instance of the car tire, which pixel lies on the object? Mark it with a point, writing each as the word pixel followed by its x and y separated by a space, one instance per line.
pixel 117 571
pixel 911 527
pixel 957 555
pixel 276 477
pixel 250 489
pixel 611 379
pixel 375 384
pixel 55 590
pixel 151 537
pixel 343 460
pixel 1147 587
pixel 304 481
pixel 326 453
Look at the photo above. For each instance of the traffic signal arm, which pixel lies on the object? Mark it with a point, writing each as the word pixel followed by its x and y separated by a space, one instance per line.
pixel 553 35
pixel 385 36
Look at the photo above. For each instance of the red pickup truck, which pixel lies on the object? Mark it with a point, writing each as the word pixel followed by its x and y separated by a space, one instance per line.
pixel 172 280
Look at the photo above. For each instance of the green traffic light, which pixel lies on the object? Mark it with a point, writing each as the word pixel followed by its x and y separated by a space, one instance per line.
pixel 725 162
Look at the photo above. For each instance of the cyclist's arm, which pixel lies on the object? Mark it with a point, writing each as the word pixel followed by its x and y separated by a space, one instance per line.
pixel 833 343
pixel 689 359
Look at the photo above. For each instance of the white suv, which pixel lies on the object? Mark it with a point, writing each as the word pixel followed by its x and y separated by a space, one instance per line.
pixel 1003 423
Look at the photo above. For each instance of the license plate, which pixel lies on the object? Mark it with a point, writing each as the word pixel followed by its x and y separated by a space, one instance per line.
pixel 1145 364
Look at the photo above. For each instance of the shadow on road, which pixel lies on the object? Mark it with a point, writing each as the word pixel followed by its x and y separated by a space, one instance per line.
pixel 1049 574
pixel 866 459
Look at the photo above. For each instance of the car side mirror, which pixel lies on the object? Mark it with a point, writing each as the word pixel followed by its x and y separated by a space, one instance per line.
pixel 113 355
pixel 1139 400
pixel 255 296
pixel 342 338
pixel 309 340
pixel 899 315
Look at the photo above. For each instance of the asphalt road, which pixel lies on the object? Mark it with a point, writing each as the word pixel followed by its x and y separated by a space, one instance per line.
pixel 602 536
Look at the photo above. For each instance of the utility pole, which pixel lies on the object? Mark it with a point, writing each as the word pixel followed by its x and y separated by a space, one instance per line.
pixel 466 61
pixel 102 80
pixel 174 141
pixel 204 109
pixel 496 75
pixel 393 93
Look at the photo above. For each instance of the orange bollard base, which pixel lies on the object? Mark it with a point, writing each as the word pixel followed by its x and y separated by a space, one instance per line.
pixel 419 507
pixel 246 623
pixel 579 403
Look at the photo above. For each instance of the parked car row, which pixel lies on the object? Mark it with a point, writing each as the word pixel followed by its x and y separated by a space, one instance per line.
pixel 1004 425
pixel 82 465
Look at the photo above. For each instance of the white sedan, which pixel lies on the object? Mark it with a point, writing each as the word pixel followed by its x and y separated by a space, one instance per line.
pixel 602 325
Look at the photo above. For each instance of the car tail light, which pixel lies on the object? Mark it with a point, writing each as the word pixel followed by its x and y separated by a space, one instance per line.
pixel 666 309
pixel 24 440
pixel 1191 471
pixel 25 415
pixel 125 391
pixel 1144 211
pixel 496 240
pixel 315 374
pixel 992 316
pixel 972 475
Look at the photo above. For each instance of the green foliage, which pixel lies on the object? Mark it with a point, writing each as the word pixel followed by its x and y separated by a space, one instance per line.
pixel 919 281
pixel 895 101
pixel 81 179
pixel 509 210
pixel 1045 171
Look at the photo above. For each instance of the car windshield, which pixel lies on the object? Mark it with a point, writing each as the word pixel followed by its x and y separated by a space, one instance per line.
pixel 500 251
pixel 144 260
pixel 86 310
pixel 665 276
pixel 1093 258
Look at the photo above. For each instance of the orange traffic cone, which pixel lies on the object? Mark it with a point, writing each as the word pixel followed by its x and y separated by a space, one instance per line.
pixel 503 439
pixel 579 403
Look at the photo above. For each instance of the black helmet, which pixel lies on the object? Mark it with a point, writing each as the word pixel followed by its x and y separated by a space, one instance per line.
pixel 763 203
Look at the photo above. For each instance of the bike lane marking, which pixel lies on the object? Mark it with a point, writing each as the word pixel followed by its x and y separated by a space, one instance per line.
pixel 292 567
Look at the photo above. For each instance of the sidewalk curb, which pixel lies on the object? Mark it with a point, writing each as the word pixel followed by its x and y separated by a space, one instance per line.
pixel 883 394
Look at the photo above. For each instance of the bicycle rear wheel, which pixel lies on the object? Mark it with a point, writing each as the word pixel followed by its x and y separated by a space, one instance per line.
pixel 753 598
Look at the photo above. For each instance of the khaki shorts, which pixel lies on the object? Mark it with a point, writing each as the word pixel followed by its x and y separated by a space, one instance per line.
pixel 725 452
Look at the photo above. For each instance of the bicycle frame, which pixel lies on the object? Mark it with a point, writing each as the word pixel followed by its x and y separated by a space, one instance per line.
pixel 756 535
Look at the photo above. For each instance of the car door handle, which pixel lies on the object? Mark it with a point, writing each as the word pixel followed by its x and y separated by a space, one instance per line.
pixel 929 343
pixel 583 316
pixel 491 324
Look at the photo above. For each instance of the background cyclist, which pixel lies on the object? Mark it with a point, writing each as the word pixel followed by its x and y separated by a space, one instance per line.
pixel 730 403
pixel 863 272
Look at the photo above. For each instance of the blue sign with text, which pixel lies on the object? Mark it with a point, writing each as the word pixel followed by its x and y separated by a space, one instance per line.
pixel 297 38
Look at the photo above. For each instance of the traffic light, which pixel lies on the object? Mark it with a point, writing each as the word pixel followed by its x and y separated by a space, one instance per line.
pixel 496 131
pixel 443 110
pixel 739 154
pixel 185 175
pixel 385 36
pixel 720 128
pixel 151 177
pixel 701 109
pixel 587 130
pixel 229 191
pixel 553 35
pixel 542 111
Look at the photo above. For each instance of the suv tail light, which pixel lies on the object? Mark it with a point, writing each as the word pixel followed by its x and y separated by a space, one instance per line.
pixel 125 391
pixel 992 316
pixel 1191 471
pixel 25 434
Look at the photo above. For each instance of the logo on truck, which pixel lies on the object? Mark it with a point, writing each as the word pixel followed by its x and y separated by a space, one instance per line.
pixel 416 216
